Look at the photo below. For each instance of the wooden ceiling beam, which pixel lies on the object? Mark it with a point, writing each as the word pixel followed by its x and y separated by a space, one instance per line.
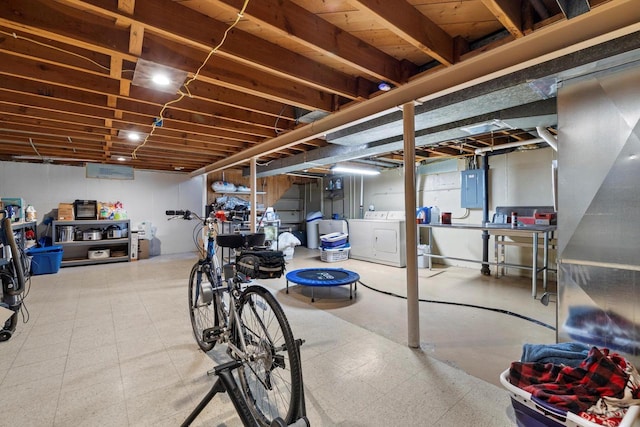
pixel 205 33
pixel 402 19
pixel 40 19
pixel 509 13
pixel 51 20
pixel 230 74
pixel 145 112
pixel 19 66
pixel 81 138
pixel 188 111
pixel 290 20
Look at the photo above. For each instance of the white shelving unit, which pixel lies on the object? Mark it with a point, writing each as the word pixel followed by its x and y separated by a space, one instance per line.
pixel 76 252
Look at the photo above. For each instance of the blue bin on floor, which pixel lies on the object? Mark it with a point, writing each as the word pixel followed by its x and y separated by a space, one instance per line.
pixel 45 260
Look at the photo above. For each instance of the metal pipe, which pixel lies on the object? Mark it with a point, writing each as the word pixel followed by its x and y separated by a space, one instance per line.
pixel 548 137
pixel 483 150
pixel 606 22
pixel 361 196
pixel 485 217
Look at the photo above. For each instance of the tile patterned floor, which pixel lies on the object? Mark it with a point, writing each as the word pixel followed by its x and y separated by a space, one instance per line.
pixel 111 345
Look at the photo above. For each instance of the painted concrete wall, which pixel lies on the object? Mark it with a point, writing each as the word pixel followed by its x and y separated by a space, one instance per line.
pixel 519 178
pixel 146 197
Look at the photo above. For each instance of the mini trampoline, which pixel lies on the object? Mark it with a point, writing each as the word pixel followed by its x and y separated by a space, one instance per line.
pixel 324 277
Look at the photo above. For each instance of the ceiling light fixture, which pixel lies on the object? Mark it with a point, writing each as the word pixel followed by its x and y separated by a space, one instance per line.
pixel 384 86
pixel 357 170
pixel 161 79
pixel 131 135
pixel 158 77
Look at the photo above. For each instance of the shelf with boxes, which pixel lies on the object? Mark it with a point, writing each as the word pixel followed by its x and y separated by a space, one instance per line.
pixel 87 242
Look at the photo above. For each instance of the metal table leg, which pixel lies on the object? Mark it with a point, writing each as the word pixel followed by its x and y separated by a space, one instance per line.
pixel 545 260
pixel 534 273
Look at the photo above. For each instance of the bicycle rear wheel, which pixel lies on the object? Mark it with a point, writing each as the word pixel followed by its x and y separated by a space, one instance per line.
pixel 271 380
pixel 202 305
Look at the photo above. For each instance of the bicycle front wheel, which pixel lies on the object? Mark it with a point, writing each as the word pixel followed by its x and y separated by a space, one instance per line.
pixel 271 379
pixel 202 305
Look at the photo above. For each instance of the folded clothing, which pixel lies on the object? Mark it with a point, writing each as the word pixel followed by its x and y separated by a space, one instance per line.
pixel 566 353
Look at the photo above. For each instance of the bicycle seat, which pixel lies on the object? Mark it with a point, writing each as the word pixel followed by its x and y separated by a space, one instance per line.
pixel 233 241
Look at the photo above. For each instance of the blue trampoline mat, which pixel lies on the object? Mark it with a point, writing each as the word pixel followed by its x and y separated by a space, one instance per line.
pixel 315 277
pixel 323 276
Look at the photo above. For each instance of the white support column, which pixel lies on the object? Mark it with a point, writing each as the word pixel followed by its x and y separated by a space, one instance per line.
pixel 413 309
pixel 254 199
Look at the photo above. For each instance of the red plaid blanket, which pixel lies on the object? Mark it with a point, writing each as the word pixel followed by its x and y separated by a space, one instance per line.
pixel 574 389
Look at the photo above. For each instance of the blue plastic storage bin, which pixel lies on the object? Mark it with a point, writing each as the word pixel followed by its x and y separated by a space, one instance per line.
pixel 45 260
pixel 333 240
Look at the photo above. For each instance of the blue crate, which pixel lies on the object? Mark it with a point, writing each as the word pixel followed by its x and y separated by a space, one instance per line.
pixel 45 260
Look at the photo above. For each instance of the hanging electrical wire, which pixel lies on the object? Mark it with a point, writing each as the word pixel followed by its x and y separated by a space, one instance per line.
pixel 34 148
pixel 189 81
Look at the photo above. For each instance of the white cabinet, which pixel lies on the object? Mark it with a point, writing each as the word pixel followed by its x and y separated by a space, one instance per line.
pixel 379 241
pixel 75 249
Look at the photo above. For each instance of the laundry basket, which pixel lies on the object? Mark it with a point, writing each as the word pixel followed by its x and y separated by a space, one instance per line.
pixel 532 412
pixel 335 254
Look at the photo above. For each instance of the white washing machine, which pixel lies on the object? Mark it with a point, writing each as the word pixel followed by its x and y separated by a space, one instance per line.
pixel 379 237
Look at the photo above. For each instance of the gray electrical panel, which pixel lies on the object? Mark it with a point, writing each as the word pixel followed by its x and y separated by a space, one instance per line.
pixel 471 189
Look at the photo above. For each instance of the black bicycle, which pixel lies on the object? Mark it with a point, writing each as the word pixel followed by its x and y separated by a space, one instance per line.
pixel 14 271
pixel 247 318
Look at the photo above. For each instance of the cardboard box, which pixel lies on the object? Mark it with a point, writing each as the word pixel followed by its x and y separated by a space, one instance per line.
pixel 134 247
pixel 545 218
pixel 143 249
pixel 65 212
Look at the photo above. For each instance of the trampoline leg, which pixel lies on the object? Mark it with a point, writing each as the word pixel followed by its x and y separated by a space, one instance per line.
pixel 287 286
pixel 312 298
pixel 350 290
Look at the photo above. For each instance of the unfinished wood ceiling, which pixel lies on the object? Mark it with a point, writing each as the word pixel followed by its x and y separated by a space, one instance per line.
pixel 75 75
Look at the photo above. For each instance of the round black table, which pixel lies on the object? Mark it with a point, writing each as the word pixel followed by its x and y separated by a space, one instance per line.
pixel 324 277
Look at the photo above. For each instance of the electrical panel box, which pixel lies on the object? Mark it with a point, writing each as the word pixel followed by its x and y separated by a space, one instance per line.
pixel 472 188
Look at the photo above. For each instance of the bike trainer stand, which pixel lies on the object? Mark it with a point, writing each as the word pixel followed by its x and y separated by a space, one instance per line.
pixel 226 383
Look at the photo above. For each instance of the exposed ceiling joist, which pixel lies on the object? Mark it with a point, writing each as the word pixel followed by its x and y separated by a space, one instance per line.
pixel 67 69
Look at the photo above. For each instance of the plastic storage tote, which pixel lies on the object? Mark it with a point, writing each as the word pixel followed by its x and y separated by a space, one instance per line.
pixel 45 260
pixel 333 240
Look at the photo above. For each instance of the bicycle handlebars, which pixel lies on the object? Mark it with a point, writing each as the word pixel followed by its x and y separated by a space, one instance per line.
pixel 184 214
pixel 189 215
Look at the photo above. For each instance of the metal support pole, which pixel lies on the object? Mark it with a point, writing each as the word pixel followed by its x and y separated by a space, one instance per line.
pixel 485 216
pixel 413 309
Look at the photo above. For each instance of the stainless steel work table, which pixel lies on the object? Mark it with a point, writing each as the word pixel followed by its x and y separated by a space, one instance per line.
pixel 501 230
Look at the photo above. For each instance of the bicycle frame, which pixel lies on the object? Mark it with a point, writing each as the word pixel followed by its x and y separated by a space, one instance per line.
pixel 227 310
pixel 252 325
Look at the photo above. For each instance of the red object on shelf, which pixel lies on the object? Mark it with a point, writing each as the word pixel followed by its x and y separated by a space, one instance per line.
pixel 527 220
